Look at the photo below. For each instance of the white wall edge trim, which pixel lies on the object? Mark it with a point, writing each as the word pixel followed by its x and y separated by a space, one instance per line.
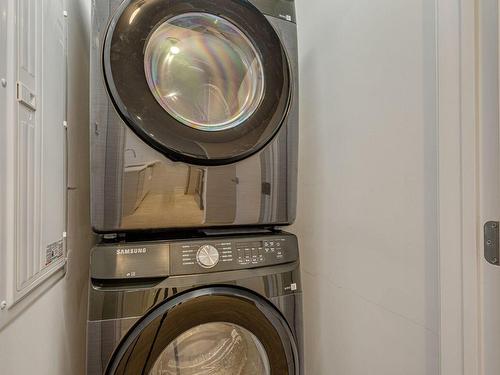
pixel 458 187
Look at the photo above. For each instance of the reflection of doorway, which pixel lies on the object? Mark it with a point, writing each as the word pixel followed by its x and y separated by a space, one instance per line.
pixel 249 191
pixel 220 195
pixel 194 185
pixel 137 181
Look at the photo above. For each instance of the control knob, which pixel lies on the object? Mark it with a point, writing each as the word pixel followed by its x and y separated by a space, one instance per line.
pixel 207 256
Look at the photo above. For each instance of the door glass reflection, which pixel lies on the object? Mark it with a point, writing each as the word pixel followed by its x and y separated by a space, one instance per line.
pixel 204 71
pixel 213 348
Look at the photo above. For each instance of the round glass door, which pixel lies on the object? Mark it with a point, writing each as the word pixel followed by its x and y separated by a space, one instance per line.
pixel 204 71
pixel 201 82
pixel 213 348
pixel 210 331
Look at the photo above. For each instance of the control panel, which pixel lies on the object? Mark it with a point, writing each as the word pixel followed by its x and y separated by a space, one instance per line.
pixel 155 259
pixel 257 252
pixel 214 255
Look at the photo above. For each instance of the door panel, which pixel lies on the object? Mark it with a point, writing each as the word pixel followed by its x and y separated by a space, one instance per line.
pixel 213 78
pixel 208 329
pixel 489 180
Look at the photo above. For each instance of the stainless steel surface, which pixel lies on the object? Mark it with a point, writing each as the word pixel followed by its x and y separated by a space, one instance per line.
pixel 284 9
pixel 102 339
pixel 115 307
pixel 130 261
pixel 172 258
pixel 141 189
pixel 135 299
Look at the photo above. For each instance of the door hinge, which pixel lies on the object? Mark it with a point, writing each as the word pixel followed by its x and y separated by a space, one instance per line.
pixel 491 242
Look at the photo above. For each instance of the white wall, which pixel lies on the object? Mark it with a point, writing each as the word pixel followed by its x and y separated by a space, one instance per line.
pixel 48 338
pixel 367 219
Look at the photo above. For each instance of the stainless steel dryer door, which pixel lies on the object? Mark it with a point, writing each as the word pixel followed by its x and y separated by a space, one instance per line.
pixel 202 81
pixel 221 330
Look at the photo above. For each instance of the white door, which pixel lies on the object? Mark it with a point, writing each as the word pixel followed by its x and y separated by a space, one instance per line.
pixel 489 185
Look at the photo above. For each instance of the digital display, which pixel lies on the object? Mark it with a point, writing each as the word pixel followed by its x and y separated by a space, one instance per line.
pixel 253 244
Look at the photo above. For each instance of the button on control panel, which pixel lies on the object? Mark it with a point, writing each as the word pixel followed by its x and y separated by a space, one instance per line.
pixel 275 247
pixel 231 253
pixel 257 252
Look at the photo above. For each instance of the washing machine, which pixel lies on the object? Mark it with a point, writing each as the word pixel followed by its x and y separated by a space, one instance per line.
pixel 194 114
pixel 211 305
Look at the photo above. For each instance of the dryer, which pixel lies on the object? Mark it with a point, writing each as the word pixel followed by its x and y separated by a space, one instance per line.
pixel 194 114
pixel 210 305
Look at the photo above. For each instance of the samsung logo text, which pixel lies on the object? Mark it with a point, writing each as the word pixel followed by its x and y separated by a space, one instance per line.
pixel 139 250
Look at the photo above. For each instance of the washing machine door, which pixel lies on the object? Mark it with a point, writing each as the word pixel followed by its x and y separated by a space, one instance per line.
pixel 214 331
pixel 202 81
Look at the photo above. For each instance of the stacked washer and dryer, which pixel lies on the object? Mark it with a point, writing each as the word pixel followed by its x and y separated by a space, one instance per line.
pixel 194 133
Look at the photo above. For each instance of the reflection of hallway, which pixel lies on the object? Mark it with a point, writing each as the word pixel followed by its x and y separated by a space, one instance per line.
pixel 156 208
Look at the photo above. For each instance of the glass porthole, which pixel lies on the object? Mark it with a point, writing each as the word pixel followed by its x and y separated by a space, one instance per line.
pixel 213 348
pixel 200 83
pixel 204 71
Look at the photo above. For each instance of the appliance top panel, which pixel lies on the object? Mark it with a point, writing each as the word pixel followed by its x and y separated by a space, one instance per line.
pixel 158 259
pixel 284 9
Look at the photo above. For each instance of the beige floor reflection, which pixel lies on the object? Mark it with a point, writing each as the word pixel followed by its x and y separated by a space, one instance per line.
pixel 155 208
pixel 156 194
pixel 162 196
pixel 213 349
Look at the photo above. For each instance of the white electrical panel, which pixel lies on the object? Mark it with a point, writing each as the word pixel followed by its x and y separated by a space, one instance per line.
pixel 35 207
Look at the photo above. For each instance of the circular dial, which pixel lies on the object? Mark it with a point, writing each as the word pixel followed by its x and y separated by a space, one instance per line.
pixel 207 256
